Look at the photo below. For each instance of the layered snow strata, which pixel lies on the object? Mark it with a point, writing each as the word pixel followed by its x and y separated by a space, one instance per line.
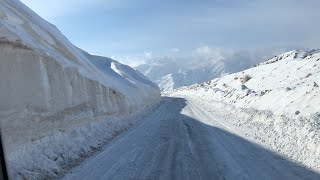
pixel 48 87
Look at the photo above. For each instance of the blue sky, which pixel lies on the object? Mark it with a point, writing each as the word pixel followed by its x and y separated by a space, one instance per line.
pixel 134 30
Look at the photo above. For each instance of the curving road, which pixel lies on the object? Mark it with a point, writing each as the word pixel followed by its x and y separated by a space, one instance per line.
pixel 180 140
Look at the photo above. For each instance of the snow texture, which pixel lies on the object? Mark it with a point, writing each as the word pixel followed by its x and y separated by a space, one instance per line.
pixel 48 87
pixel 183 140
pixel 277 103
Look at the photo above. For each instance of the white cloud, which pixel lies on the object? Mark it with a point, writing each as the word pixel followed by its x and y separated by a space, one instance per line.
pixel 207 52
pixel 243 24
pixel 204 51
pixel 147 55
pixel 174 50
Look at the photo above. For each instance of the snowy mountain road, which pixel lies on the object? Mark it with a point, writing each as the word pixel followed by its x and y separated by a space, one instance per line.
pixel 180 140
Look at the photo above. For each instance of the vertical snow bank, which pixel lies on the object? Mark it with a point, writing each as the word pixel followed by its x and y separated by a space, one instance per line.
pixel 50 87
pixel 41 87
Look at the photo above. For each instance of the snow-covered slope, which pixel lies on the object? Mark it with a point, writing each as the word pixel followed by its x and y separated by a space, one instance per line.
pixel 174 72
pixel 138 88
pixel 47 85
pixel 284 84
pixel 278 102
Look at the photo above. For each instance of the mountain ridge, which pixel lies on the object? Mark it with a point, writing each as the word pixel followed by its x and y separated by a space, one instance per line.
pixel 171 72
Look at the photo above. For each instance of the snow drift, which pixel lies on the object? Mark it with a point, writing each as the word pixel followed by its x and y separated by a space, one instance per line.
pixel 48 85
pixel 277 103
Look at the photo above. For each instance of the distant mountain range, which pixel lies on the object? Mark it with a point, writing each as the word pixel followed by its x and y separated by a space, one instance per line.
pixel 174 72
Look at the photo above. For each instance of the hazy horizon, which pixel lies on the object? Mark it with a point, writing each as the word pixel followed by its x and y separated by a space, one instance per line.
pixel 132 32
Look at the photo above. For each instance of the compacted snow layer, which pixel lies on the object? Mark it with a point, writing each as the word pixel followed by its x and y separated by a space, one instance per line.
pixel 48 85
pixel 276 103
pixel 52 155
pixel 182 140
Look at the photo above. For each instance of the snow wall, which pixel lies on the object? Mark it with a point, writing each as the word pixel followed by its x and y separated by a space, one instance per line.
pixel 49 86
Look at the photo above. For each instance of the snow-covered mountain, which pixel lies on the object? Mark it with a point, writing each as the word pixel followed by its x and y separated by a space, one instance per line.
pixel 292 76
pixel 174 72
pixel 277 103
pixel 49 86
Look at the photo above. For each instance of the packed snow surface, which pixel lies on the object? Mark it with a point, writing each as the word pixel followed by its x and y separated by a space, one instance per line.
pixel 262 123
pixel 277 103
pixel 183 139
pixel 59 104
pixel 49 87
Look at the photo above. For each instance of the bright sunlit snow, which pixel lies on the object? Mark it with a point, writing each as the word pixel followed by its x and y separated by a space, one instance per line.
pixel 226 111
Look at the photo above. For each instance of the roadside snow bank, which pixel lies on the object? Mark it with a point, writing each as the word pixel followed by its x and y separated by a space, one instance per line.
pixel 277 103
pixel 52 155
pixel 48 85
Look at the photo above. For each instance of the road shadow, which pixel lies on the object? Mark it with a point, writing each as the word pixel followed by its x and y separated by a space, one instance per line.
pixel 224 155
